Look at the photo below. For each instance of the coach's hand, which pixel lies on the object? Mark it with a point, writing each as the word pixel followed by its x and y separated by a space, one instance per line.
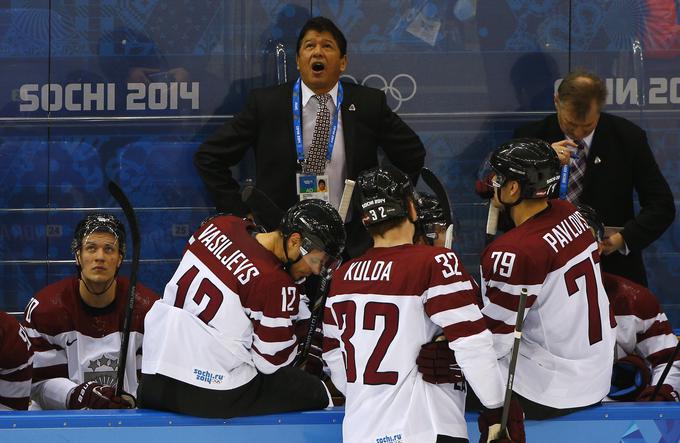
pixel 437 362
pixel 489 423
pixel 92 395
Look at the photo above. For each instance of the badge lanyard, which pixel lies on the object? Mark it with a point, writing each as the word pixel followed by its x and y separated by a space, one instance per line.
pixel 297 123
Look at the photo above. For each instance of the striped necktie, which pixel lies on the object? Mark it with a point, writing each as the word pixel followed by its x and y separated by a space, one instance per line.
pixel 578 170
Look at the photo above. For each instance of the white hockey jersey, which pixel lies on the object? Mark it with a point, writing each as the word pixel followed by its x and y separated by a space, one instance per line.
pixel 381 309
pixel 567 348
pixel 75 343
pixel 228 311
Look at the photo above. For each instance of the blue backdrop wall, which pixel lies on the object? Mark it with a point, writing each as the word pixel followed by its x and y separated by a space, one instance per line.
pixel 126 90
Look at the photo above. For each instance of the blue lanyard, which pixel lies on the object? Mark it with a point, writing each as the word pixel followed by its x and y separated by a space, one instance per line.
pixel 297 123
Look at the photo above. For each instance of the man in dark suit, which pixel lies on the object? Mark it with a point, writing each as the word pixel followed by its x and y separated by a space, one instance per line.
pixel 618 161
pixel 269 122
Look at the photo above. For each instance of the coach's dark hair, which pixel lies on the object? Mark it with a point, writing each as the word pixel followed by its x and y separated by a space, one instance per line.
pixel 579 88
pixel 322 24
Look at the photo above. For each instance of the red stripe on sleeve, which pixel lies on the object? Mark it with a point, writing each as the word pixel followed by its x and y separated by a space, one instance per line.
pixel 464 329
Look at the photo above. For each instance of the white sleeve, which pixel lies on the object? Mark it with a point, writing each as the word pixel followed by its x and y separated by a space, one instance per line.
pixel 52 393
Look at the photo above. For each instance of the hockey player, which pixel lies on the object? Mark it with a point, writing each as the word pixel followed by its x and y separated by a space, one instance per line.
pixel 644 338
pixel 566 352
pixel 432 224
pixel 16 364
pixel 220 342
pixel 75 324
pixel 382 306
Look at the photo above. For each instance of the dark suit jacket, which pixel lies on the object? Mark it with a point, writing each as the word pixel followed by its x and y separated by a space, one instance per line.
pixel 266 125
pixel 626 164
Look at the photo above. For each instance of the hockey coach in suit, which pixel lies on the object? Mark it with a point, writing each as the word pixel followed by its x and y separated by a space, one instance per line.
pixel 618 162
pixel 269 122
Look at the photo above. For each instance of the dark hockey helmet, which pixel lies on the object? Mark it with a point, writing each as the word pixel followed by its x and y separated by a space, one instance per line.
pixel 530 161
pixel 593 220
pixel 99 222
pixel 432 220
pixel 319 225
pixel 384 192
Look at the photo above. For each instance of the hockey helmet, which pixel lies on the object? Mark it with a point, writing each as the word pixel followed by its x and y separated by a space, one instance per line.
pixel 432 220
pixel 99 222
pixel 384 192
pixel 593 220
pixel 320 227
pixel 530 161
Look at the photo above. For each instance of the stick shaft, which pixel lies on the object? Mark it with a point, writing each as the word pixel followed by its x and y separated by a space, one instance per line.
pixel 129 212
pixel 513 360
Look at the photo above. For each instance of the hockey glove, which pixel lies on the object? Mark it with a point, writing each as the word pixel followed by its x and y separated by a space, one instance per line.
pixel 92 395
pixel 666 393
pixel 630 376
pixel 489 423
pixel 314 363
pixel 437 362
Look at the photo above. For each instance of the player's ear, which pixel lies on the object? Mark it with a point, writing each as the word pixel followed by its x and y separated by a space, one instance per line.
pixel 412 211
pixel 78 257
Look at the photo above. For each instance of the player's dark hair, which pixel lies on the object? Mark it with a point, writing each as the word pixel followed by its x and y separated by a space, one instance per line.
pixel 578 90
pixel 379 229
pixel 322 24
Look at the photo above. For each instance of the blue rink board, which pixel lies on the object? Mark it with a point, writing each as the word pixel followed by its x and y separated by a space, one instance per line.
pixel 620 422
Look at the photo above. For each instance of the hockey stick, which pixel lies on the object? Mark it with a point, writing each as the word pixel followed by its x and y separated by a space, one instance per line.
pixel 437 187
pixel 666 370
pixel 324 282
pixel 129 212
pixel 491 222
pixel 513 361
pixel 265 212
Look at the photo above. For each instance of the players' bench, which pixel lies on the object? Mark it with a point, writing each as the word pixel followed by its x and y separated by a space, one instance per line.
pixel 616 422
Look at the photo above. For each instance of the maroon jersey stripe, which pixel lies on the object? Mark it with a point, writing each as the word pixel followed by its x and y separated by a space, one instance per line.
pixel 280 357
pixel 497 326
pixel 658 328
pixel 446 302
pixel 330 343
pixel 20 403
pixel 56 371
pixel 21 375
pixel 508 301
pixel 464 329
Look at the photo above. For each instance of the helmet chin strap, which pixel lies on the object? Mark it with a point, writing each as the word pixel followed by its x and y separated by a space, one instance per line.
pixel 289 262
pixel 507 206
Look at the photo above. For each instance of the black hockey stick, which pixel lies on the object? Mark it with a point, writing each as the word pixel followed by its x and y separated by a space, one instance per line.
pixel 666 370
pixel 324 282
pixel 437 187
pixel 265 212
pixel 513 361
pixel 129 212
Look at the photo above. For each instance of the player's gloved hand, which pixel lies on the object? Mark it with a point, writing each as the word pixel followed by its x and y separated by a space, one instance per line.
pixel 483 187
pixel 630 375
pixel 437 362
pixel 92 395
pixel 489 423
pixel 666 393
pixel 314 363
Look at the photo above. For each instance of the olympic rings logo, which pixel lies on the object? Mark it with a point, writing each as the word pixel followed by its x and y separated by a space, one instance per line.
pixel 401 88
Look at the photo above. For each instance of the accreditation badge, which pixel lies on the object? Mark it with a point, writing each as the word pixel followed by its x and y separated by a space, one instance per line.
pixel 312 186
